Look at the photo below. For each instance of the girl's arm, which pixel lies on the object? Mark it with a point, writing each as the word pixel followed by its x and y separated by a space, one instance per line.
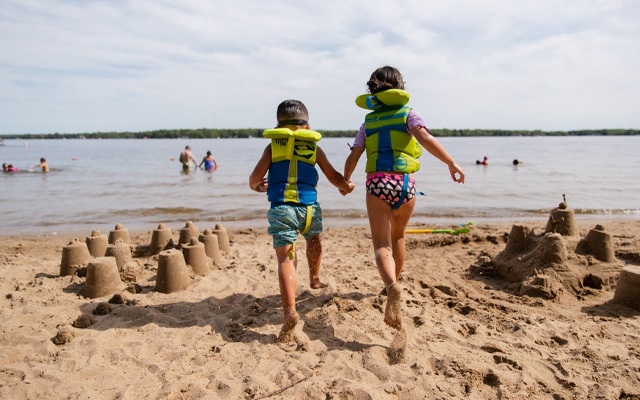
pixel 332 174
pixel 434 147
pixel 352 161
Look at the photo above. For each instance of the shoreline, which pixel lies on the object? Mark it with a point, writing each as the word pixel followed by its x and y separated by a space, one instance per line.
pixel 328 222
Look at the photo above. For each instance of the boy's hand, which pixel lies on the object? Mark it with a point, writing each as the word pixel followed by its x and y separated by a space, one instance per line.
pixel 262 186
pixel 351 186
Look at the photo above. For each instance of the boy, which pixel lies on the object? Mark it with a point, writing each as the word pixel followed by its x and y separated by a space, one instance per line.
pixel 43 165
pixel 290 160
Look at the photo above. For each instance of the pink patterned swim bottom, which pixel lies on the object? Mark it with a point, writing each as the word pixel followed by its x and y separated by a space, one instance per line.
pixel 389 187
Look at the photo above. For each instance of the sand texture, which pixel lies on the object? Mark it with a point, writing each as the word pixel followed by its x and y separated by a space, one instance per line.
pixel 479 319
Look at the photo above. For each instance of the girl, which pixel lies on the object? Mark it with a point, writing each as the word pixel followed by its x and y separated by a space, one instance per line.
pixel 392 136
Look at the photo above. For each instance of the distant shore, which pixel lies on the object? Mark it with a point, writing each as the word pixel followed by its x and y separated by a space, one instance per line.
pixel 206 133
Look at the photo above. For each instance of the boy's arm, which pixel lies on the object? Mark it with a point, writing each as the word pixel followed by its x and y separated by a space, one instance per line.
pixel 334 176
pixel 434 147
pixel 257 181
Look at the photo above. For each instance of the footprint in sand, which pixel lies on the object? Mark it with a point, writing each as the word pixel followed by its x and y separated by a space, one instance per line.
pixel 398 347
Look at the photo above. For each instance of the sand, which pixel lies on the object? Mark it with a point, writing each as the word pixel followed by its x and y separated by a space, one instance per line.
pixel 468 329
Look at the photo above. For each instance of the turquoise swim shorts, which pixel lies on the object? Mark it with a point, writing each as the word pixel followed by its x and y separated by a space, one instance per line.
pixel 286 221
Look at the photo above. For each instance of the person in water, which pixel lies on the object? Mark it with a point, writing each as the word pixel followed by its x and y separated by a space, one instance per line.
pixel 485 161
pixel 9 168
pixel 210 163
pixel 516 162
pixel 392 135
pixel 186 157
pixel 42 165
pixel 290 161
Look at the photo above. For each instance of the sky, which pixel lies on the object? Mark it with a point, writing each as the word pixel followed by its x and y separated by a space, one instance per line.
pixel 72 66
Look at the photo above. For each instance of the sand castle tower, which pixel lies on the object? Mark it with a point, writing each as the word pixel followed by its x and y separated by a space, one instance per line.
pixel 223 238
pixel 74 256
pixel 97 243
pixel 211 246
pixel 173 274
pixel 599 244
pixel 196 257
pixel 119 232
pixel 103 278
pixel 562 220
pixel 121 251
pixel 187 233
pixel 628 288
pixel 160 239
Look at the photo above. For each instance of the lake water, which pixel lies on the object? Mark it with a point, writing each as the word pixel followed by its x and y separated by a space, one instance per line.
pixel 139 183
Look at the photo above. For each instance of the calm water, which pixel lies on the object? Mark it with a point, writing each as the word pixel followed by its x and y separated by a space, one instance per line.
pixel 98 183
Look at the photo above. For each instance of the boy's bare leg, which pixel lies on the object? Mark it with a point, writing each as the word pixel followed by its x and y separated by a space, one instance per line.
pixel 314 258
pixel 288 284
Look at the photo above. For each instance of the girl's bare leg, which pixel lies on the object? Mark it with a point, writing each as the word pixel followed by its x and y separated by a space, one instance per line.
pixel 399 224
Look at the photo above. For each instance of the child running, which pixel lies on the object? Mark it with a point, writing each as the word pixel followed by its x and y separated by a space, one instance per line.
pixel 392 135
pixel 290 160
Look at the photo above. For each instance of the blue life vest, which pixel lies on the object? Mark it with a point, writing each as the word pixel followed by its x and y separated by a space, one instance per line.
pixel 292 175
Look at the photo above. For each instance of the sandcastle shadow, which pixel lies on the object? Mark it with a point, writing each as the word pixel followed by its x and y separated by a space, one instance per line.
pixel 611 310
pixel 235 317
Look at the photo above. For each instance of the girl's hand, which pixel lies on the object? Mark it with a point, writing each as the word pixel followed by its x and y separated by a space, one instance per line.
pixel 457 174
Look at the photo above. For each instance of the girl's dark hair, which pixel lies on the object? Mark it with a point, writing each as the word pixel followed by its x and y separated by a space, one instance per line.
pixel 385 78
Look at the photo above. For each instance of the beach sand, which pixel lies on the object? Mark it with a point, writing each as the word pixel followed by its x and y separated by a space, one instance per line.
pixel 469 331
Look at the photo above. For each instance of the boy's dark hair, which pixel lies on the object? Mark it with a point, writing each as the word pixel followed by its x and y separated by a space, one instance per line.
pixel 292 112
pixel 385 78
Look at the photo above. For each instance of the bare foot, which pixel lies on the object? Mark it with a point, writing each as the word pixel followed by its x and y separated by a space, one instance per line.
pixel 316 284
pixel 288 327
pixel 398 347
pixel 393 312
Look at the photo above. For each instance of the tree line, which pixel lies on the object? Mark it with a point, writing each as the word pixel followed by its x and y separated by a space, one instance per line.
pixel 206 133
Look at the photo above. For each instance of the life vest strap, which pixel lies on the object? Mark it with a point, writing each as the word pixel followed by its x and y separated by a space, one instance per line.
pixel 403 195
pixel 307 224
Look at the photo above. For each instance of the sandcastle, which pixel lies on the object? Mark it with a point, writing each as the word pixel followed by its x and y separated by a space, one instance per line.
pixel 109 264
pixel 74 256
pixel 211 246
pixel 187 233
pixel 119 232
pixel 97 243
pixel 173 273
pixel 559 259
pixel 160 239
pixel 223 238
pixel 103 278
pixel 196 257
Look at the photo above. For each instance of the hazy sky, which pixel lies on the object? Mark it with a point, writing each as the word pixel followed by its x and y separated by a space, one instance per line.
pixel 114 65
